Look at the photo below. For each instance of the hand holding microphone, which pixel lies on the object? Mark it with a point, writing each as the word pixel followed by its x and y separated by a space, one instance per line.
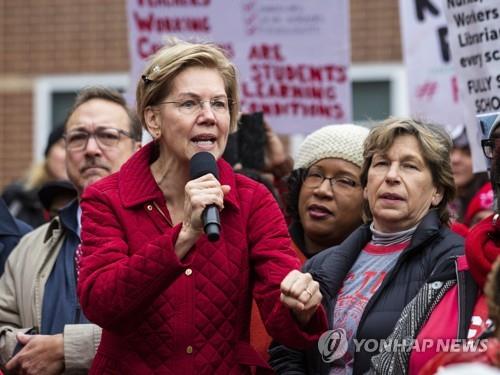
pixel 204 197
pixel 204 164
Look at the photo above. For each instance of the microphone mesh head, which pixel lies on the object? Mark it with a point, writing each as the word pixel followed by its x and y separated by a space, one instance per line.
pixel 203 163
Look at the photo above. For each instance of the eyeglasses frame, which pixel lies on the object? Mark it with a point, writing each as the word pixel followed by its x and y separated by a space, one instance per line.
pixel 200 103
pixel 332 181
pixel 93 134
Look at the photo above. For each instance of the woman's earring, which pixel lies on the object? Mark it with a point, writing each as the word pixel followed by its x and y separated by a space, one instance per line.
pixel 156 135
pixel 436 199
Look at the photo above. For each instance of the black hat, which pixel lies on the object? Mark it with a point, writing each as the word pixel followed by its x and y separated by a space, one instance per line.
pixel 55 135
pixel 53 189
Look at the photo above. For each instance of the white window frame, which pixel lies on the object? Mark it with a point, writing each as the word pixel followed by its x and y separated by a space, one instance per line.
pixel 46 86
pixel 395 73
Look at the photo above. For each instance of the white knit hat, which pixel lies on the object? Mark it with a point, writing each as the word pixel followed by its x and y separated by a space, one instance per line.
pixel 332 141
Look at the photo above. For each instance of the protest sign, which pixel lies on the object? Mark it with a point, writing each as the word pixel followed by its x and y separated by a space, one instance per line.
pixel 292 56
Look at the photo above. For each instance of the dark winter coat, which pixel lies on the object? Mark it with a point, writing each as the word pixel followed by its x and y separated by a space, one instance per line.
pixel 431 244
pixel 11 231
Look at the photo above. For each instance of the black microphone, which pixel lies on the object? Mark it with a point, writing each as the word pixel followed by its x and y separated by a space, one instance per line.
pixel 201 164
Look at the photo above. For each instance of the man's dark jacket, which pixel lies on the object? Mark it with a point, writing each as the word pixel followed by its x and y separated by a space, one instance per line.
pixel 11 231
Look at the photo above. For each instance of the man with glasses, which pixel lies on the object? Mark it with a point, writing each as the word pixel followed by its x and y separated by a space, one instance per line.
pixel 489 126
pixel 38 289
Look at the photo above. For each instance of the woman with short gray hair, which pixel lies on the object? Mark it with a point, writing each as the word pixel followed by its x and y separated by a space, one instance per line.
pixel 368 279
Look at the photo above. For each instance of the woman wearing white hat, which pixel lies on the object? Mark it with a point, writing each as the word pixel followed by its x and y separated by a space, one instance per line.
pixel 323 213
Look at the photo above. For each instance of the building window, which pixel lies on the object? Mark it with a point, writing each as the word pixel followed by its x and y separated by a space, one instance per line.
pixel 371 101
pixel 378 91
pixel 54 96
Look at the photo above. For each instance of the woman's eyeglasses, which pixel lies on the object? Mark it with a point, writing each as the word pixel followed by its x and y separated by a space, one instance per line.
pixel 195 106
pixel 314 179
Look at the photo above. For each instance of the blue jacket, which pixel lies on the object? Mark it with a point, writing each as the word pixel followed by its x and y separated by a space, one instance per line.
pixel 431 245
pixel 11 231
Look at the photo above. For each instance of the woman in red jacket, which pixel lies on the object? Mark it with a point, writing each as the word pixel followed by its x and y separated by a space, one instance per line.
pixel 169 300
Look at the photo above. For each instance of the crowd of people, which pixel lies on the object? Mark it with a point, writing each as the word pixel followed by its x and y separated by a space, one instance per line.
pixel 372 250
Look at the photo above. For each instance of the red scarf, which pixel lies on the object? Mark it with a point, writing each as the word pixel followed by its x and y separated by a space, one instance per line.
pixel 482 247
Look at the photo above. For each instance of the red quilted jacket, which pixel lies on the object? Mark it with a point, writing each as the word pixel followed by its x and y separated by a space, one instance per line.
pixel 161 315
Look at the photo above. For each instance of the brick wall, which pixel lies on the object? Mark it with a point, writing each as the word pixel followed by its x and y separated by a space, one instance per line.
pixel 375 35
pixel 39 37
pixel 15 134
pixel 59 36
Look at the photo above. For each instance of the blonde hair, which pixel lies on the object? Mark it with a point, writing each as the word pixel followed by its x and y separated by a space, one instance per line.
pixel 435 146
pixel 169 61
pixel 37 175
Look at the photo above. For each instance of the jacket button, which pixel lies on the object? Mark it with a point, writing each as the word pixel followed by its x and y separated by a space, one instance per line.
pixel 189 349
pixel 436 285
pixel 149 207
pixel 188 272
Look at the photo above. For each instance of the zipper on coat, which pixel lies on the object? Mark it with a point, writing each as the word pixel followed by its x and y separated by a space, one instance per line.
pixel 459 299
pixel 77 314
pixel 462 329
pixel 406 253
